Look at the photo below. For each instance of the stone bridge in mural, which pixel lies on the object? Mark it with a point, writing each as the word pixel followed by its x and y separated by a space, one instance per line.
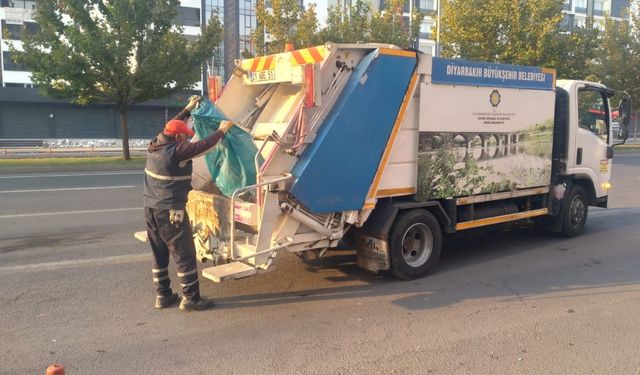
pixel 480 146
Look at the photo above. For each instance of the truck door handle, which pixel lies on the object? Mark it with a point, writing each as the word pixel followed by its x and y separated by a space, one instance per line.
pixel 579 156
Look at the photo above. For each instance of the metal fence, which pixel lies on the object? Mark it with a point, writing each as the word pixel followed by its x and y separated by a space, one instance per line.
pixel 26 147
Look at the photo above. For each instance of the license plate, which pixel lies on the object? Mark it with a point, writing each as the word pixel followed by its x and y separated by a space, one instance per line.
pixel 263 75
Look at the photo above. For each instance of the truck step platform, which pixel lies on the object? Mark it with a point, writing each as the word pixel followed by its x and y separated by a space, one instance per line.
pixel 230 271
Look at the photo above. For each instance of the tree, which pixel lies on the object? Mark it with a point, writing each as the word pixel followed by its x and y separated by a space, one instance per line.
pixel 506 31
pixel 306 34
pixel 122 52
pixel 348 25
pixel 619 55
pixel 284 22
pixel 390 26
pixel 574 53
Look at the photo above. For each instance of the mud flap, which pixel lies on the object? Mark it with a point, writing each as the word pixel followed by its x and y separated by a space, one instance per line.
pixel 373 253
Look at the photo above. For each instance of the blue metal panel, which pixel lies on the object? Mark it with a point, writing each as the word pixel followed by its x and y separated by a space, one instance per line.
pixel 335 172
pixel 475 73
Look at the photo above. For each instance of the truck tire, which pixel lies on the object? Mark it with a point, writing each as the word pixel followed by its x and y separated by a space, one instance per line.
pixel 574 212
pixel 415 242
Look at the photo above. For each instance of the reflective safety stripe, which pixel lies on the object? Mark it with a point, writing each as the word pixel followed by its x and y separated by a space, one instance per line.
pixel 166 178
pixel 158 270
pixel 158 279
pixel 189 284
pixel 183 274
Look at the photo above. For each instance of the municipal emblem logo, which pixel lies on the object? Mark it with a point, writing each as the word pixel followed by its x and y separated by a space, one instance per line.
pixel 494 98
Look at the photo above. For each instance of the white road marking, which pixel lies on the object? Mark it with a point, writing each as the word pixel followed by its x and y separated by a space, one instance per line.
pixel 76 262
pixel 68 189
pixel 40 175
pixel 71 212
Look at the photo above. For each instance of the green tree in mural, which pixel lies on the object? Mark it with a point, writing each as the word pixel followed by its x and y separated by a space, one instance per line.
pixel 122 52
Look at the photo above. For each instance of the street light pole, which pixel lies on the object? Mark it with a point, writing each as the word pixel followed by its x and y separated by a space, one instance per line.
pixel 438 30
pixel 411 23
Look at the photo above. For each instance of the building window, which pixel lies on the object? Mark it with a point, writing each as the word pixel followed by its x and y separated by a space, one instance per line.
pixel 566 5
pixel 9 64
pixel 18 4
pixel 17 31
pixel 620 8
pixel 11 31
pixel 567 23
pixel 427 5
pixel 21 85
pixel 581 6
pixel 187 17
pixel 598 8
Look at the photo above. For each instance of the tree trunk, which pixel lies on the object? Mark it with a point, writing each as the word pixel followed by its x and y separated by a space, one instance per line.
pixel 125 133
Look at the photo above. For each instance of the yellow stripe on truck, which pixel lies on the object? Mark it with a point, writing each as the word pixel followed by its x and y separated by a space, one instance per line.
pixel 394 192
pixel 501 219
pixel 396 52
pixel 299 57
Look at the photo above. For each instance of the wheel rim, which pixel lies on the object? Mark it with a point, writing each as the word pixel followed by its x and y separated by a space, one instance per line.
pixel 417 245
pixel 578 210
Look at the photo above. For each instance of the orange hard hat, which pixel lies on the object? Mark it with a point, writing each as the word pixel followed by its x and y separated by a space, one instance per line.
pixel 175 127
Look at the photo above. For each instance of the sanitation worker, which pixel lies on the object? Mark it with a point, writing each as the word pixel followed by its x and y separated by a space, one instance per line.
pixel 167 182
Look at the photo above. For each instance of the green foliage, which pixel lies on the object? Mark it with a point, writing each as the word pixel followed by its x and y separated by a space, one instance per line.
pixel 348 25
pixel 619 55
pixel 530 33
pixel 285 22
pixel 389 26
pixel 506 31
pixel 307 28
pixel 441 176
pixel 121 51
pixel 573 54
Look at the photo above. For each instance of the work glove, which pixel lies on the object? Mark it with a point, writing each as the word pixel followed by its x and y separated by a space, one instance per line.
pixel 176 217
pixel 225 125
pixel 194 100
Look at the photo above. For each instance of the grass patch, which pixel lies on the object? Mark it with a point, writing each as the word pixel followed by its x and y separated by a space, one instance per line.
pixel 112 161
pixel 627 148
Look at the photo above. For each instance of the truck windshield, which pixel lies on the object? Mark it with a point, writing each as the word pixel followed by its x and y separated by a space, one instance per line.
pixel 593 113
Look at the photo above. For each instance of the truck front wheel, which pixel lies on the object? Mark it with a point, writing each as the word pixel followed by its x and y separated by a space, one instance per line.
pixel 415 241
pixel 574 212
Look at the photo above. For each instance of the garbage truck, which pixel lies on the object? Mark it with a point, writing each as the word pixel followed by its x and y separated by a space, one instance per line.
pixel 393 151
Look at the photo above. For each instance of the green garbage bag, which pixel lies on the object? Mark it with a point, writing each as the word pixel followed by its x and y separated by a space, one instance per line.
pixel 231 162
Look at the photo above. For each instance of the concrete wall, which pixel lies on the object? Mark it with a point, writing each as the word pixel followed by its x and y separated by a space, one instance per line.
pixel 24 114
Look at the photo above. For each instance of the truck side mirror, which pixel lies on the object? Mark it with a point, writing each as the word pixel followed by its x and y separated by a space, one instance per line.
pixel 624 113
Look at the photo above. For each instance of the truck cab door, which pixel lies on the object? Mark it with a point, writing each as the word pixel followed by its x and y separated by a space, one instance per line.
pixel 593 156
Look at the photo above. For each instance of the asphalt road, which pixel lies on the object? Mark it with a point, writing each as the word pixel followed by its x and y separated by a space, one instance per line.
pixel 75 288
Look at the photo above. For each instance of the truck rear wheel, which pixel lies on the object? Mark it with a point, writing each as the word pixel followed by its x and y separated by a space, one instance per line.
pixel 415 241
pixel 574 212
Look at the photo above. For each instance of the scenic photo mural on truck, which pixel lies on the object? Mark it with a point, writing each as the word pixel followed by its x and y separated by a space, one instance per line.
pixel 491 139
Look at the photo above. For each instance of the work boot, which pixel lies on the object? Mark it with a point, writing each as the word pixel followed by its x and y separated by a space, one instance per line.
pixel 166 301
pixel 197 304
